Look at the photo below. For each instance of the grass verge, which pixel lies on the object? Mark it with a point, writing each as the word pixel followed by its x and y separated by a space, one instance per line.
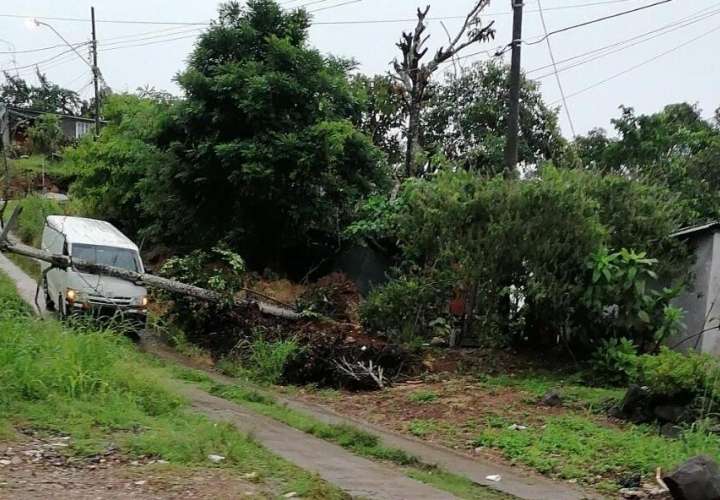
pixel 357 441
pixel 95 387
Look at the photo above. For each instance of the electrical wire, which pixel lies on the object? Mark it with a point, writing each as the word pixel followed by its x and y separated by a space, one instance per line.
pixel 641 64
pixel 597 20
pixel 207 23
pixel 698 16
pixel 622 48
pixel 335 6
pixel 557 76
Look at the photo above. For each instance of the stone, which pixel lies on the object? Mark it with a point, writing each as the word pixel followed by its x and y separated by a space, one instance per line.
pixel 438 342
pixel 670 413
pixel 670 430
pixel 552 398
pixel 494 477
pixel 633 494
pixel 216 458
pixel 696 479
pixel 636 405
pixel 291 494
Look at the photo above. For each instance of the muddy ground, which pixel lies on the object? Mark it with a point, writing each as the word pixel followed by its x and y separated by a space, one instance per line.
pixel 33 467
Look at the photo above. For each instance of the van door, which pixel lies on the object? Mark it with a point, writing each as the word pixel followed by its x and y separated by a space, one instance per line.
pixel 54 242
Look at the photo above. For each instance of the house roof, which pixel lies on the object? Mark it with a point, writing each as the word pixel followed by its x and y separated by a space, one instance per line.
pixel 27 112
pixel 692 230
pixel 90 232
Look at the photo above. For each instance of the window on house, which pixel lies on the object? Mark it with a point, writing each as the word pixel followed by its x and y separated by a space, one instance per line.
pixel 82 128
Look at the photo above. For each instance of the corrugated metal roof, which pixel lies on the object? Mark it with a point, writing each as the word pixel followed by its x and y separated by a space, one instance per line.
pixel 696 229
pixel 90 232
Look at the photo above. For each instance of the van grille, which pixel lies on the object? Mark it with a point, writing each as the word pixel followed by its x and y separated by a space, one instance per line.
pixel 109 301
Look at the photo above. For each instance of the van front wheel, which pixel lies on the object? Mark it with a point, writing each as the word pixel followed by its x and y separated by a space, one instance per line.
pixel 49 304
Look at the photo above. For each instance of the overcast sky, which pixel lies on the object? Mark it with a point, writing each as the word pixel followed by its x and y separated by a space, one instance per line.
pixel 690 73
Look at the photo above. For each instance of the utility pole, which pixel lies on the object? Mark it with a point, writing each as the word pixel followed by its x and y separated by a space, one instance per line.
pixel 511 141
pixel 96 73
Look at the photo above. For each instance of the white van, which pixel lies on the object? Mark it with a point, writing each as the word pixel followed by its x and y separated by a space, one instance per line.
pixel 98 242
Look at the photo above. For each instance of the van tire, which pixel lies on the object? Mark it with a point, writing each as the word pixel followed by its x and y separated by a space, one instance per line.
pixel 49 304
pixel 61 308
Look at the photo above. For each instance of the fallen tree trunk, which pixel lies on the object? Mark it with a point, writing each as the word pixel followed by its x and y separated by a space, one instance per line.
pixel 150 280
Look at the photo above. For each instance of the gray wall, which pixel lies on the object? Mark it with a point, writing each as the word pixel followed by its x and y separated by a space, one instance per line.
pixel 699 296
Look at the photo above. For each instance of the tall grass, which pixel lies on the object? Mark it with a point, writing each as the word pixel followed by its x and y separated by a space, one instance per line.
pixel 94 386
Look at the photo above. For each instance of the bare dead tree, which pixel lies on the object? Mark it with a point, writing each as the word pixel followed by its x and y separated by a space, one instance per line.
pixel 414 76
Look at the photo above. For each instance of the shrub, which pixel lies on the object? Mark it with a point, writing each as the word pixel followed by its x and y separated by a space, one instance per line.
pixel 267 360
pixel 219 270
pixel 671 373
pixel 614 362
pixel 31 222
pixel 620 293
pixel 405 308
pixel 514 256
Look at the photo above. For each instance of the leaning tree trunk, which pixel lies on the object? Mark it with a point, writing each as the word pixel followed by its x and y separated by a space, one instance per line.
pixel 149 280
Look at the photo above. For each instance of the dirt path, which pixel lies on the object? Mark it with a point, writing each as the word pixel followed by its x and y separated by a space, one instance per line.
pixel 35 468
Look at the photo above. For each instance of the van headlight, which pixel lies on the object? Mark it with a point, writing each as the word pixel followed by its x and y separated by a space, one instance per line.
pixel 72 295
pixel 141 301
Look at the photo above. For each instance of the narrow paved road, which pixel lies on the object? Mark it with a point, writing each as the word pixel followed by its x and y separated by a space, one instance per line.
pixel 514 482
pixel 26 286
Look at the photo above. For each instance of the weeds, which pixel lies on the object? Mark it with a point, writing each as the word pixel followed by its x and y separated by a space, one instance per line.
pixel 422 397
pixel 95 387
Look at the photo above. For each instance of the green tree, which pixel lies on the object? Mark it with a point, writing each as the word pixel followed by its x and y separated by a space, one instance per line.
pixel 675 147
pixel 112 171
pixel 381 115
pixel 47 96
pixel 267 158
pixel 46 134
pixel 465 120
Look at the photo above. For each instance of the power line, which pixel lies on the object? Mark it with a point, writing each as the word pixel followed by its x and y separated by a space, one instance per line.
pixel 597 20
pixel 641 64
pixel 557 76
pixel 662 30
pixel 335 6
pixel 371 21
pixel 624 46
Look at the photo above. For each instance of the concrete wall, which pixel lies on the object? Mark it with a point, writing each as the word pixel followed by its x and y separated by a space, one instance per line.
pixel 711 337
pixel 700 296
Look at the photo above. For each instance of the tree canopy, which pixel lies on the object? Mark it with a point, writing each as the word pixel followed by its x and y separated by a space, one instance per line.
pixel 46 96
pixel 466 120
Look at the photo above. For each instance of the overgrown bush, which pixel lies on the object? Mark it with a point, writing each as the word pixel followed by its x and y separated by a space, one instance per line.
pixel 513 257
pixel 615 362
pixel 671 373
pixel 219 270
pixel 405 308
pixel 620 293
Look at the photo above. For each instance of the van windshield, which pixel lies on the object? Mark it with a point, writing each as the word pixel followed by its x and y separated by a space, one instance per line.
pixel 108 256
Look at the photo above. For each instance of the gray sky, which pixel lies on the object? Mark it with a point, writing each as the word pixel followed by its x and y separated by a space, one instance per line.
pixel 690 73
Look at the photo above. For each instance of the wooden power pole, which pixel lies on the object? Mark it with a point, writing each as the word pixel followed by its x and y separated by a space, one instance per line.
pixel 96 73
pixel 513 120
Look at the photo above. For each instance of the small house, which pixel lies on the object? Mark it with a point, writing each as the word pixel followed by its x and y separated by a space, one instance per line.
pixel 14 123
pixel 701 298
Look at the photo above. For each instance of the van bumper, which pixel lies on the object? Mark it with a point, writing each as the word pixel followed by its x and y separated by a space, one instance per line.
pixel 133 315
